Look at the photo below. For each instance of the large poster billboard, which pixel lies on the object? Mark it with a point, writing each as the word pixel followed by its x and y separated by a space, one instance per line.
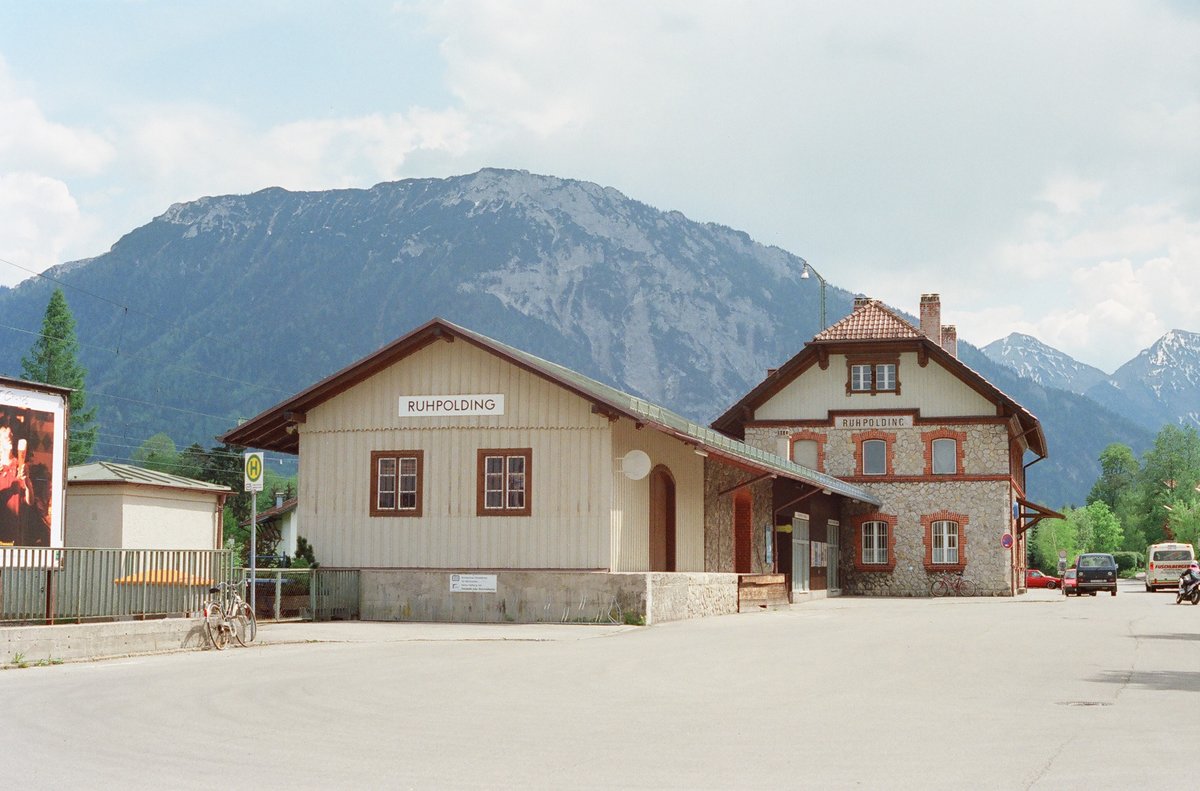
pixel 33 439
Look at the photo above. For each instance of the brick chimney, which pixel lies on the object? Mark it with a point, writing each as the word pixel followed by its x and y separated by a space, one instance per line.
pixel 950 339
pixel 931 317
pixel 860 301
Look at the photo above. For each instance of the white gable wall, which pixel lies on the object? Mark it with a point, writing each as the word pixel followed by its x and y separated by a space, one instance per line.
pixel 631 513
pixel 933 390
pixel 570 487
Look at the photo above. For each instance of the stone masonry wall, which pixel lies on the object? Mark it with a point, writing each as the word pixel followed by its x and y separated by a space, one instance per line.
pixel 909 494
pixel 718 517
pixel 987 563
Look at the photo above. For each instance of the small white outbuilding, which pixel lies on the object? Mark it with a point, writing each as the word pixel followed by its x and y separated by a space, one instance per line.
pixel 119 505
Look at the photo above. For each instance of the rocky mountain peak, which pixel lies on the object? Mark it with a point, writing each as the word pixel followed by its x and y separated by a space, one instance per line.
pixel 1043 364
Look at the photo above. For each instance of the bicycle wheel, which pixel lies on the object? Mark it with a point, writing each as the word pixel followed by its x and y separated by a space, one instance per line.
pixel 967 588
pixel 214 625
pixel 244 625
pixel 939 587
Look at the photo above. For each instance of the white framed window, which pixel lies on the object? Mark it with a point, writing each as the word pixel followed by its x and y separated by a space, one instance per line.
pixel 945 457
pixel 945 542
pixel 885 376
pixel 874 543
pixel 396 482
pixel 503 482
pixel 860 378
pixel 872 374
pixel 874 457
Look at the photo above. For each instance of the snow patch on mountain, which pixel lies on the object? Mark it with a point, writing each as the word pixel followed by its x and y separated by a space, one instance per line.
pixel 1047 366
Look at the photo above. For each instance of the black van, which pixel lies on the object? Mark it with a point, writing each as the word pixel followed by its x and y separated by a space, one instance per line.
pixel 1096 571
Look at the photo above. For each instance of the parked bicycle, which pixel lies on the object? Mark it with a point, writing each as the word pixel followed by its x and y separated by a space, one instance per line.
pixel 227 616
pixel 952 584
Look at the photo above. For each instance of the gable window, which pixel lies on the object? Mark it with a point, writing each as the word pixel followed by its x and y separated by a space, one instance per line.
pixel 396 482
pixel 944 535
pixel 861 379
pixel 874 457
pixel 874 543
pixel 503 478
pixel 872 375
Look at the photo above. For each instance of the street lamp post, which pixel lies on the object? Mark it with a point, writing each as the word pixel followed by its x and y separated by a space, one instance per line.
pixel 804 275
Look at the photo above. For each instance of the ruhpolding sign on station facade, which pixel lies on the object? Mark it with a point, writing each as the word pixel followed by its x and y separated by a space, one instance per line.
pixel 451 405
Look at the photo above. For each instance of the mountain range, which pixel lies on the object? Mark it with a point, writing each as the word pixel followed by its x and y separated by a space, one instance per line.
pixel 223 306
pixel 1160 385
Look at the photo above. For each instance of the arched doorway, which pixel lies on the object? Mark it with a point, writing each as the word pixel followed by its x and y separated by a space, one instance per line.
pixel 743 517
pixel 662 520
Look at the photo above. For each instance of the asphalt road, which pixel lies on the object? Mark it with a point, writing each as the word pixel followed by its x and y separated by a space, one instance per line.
pixel 1033 692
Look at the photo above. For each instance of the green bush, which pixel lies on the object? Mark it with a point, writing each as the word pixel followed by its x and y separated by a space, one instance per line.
pixel 1130 561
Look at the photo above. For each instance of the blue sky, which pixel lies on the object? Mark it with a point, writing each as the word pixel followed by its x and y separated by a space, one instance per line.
pixel 1038 164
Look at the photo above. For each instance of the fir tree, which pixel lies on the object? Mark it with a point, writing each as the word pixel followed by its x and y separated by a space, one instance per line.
pixel 52 361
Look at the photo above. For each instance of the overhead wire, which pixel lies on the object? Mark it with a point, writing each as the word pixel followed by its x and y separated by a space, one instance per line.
pixel 116 351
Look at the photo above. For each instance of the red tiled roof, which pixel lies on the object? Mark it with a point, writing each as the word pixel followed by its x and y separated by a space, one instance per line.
pixel 871 321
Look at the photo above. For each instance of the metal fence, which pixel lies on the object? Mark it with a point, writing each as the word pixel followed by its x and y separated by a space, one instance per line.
pixel 76 584
pixel 305 594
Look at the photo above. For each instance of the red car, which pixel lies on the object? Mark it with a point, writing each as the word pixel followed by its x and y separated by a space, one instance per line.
pixel 1070 586
pixel 1036 579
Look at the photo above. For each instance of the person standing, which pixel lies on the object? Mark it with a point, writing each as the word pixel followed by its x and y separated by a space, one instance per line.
pixel 15 491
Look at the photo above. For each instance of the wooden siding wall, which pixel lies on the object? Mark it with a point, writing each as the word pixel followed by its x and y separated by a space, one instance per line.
pixel 631 501
pixel 932 389
pixel 571 489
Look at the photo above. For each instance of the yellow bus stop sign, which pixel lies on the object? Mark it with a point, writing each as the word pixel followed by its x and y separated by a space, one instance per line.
pixel 253 469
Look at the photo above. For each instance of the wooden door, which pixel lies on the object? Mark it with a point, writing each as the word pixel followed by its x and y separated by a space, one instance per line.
pixel 743 532
pixel 662 520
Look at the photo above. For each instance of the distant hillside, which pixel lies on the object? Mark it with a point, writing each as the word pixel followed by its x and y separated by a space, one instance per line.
pixel 224 306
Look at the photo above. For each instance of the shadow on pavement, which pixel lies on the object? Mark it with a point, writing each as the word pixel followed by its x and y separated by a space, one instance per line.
pixel 1165 680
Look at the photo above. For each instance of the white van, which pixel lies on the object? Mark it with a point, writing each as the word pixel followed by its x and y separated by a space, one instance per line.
pixel 1164 564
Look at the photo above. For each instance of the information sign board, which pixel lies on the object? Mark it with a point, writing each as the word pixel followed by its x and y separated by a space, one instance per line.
pixel 472 583
pixel 253 471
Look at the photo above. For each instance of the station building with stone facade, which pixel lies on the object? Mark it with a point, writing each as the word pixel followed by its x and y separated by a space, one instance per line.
pixel 877 402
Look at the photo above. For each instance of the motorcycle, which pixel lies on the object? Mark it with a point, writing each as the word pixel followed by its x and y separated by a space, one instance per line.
pixel 1189 589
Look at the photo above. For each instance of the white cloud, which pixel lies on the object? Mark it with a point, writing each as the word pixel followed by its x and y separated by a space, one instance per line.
pixel 1034 163
pixel 41 221
pixel 31 142
pixel 1068 194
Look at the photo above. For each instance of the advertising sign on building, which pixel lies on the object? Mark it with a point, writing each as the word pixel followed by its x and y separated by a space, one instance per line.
pixel 33 458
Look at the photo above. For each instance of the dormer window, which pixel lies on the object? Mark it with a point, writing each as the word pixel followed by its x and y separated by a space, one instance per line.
pixel 871 375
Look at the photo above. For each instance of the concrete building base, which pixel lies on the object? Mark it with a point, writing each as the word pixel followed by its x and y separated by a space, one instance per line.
pixel 544 596
pixel 68 642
